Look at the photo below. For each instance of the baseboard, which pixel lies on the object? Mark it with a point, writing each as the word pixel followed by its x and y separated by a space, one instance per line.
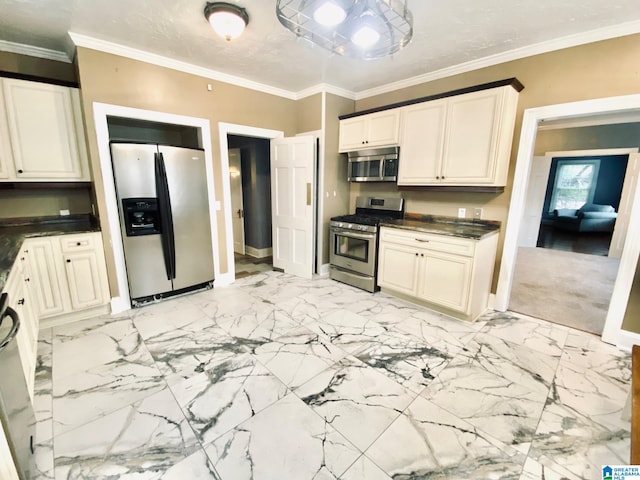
pixel 491 304
pixel 627 339
pixel 324 270
pixel 223 280
pixel 74 316
pixel 119 305
pixel 258 252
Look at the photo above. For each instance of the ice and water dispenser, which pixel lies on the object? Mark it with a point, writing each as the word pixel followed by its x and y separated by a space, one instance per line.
pixel 141 216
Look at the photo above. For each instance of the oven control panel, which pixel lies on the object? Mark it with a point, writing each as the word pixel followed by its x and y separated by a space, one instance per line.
pixel 354 226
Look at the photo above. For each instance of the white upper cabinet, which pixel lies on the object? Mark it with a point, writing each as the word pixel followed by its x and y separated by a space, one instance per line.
pixel 45 132
pixel 378 129
pixel 422 138
pixel 459 140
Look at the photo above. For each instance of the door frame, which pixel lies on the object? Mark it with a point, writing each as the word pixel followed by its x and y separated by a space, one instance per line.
pixel 100 113
pixel 225 129
pixel 613 332
pixel 235 240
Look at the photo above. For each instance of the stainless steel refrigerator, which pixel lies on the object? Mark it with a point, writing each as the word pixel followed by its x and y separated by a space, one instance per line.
pixel 164 219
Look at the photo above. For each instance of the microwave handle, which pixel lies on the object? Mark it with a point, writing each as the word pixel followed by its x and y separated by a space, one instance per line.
pixel 382 163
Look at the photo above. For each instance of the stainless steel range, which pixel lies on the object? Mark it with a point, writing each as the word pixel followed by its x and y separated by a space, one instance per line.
pixel 354 241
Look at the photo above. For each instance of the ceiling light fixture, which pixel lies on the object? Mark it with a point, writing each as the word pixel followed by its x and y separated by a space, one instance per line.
pixel 226 19
pixel 364 29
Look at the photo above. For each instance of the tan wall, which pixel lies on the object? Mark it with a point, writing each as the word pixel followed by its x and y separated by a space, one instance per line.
pixel 37 67
pixel 335 167
pixel 631 321
pixel 603 69
pixel 117 80
pixel 43 203
pixel 309 114
pixel 624 135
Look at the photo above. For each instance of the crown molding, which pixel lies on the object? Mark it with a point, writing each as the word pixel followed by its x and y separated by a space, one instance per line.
pixel 325 88
pixel 32 51
pixel 620 30
pixel 116 49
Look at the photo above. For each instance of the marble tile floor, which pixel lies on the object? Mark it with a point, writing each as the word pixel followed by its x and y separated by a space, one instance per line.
pixel 280 378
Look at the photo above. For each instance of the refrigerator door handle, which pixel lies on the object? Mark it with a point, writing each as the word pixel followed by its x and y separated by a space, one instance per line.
pixel 166 220
pixel 13 315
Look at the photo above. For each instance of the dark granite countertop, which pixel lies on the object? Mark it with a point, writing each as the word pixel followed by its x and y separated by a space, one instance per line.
pixel 441 225
pixel 13 231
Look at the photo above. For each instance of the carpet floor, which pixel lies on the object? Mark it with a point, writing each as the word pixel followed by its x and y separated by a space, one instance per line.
pixel 571 289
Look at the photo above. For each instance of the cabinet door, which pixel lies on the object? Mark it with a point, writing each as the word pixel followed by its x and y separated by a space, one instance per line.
pixel 421 143
pixel 383 128
pixel 45 286
pixel 352 133
pixel 42 131
pixel 83 278
pixel 446 280
pixel 398 268
pixel 471 139
pixel 27 338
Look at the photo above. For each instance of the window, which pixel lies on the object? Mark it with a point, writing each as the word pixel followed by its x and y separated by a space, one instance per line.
pixel 575 183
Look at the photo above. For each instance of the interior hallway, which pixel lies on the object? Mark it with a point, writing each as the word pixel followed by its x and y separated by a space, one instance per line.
pixel 247 265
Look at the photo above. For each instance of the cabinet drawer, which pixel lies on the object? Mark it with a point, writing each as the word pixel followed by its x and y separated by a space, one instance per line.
pixel 77 243
pixel 440 243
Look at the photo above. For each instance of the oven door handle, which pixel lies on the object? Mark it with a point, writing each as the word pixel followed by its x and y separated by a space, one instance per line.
pixel 350 233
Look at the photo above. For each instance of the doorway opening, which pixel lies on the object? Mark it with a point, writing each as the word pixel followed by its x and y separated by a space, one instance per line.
pixel 567 275
pixel 250 183
pixel 570 216
pixel 293 199
pixel 588 109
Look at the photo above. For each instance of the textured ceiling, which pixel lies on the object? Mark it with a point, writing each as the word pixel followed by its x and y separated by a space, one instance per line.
pixel 446 33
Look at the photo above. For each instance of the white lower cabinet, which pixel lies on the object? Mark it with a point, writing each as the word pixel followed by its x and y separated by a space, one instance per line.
pixel 21 300
pixel 57 277
pixel 69 273
pixel 451 274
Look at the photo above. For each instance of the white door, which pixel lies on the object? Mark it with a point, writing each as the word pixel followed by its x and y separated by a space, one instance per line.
pixel 536 191
pixel 237 208
pixel 629 188
pixel 292 204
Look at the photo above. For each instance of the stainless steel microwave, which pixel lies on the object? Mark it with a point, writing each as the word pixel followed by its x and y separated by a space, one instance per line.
pixel 375 165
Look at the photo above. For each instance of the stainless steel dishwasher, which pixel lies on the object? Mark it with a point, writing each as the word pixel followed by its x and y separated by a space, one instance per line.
pixel 16 411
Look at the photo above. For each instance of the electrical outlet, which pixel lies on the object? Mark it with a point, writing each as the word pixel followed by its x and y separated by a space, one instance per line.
pixel 462 212
pixel 64 213
pixel 477 213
